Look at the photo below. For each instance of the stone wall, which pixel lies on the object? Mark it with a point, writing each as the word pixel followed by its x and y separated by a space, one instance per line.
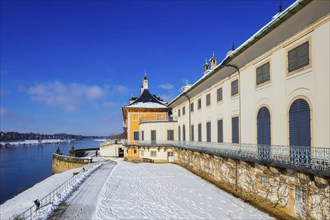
pixel 285 193
pixel 62 163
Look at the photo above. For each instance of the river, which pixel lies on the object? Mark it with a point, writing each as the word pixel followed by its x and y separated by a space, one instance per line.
pixel 23 166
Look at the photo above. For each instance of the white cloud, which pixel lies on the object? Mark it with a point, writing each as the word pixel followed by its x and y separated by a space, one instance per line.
pixel 3 112
pixel 67 96
pixel 110 105
pixel 166 86
pixel 119 89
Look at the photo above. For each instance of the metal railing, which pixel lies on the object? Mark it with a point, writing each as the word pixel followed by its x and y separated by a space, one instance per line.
pixel 315 158
pixel 56 194
pixel 158 119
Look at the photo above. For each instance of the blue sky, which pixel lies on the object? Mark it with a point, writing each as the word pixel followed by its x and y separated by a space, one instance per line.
pixel 69 66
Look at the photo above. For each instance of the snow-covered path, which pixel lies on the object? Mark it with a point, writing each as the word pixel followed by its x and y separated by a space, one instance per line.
pixel 82 203
pixel 166 191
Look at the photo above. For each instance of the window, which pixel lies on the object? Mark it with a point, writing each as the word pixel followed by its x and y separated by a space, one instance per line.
pixel 199 103
pixel 208 131
pixel 170 154
pixel 235 130
pixel 179 131
pixel 263 74
pixel 136 135
pixel 153 153
pixel 298 57
pixel 234 87
pixel 153 135
pixel 219 94
pixel 183 110
pixel 179 112
pixel 192 107
pixel 199 132
pixel 208 99
pixel 192 133
pixel 134 151
pixel 170 135
pixel 184 132
pixel 142 135
pixel 135 117
pixel 220 131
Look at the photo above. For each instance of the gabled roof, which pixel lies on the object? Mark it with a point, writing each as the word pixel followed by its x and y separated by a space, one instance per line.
pixel 146 100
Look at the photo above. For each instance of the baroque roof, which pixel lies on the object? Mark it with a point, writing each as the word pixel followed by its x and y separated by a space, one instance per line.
pixel 147 100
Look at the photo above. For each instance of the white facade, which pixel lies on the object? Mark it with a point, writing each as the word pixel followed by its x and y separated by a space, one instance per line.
pixel 111 150
pixel 311 83
pixel 161 129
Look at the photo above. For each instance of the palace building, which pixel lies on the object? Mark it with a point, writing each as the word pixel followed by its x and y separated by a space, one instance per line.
pixel 271 90
pixel 264 109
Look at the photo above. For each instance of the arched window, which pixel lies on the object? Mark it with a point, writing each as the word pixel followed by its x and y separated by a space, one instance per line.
pixel 263 133
pixel 300 131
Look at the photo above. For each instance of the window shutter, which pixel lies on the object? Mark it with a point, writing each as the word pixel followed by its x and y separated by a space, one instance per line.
pixel 208 131
pixel 235 130
pixel 220 131
pixel 263 123
pixel 298 57
pixel 184 132
pixel 300 123
pixel 263 73
pixel 199 132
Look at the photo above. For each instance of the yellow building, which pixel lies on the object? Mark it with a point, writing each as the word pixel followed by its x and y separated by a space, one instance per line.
pixel 146 107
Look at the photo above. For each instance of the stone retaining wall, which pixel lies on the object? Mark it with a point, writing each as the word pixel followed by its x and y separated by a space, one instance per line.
pixel 285 193
pixel 63 163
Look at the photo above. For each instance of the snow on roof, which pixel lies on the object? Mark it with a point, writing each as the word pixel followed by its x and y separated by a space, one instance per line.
pixel 274 20
pixel 146 105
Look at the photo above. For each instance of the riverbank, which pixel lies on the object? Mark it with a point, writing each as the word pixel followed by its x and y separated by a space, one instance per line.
pixel 22 166
pixel 24 200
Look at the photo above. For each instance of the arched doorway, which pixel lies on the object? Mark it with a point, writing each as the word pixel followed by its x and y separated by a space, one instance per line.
pixel 300 132
pixel 263 133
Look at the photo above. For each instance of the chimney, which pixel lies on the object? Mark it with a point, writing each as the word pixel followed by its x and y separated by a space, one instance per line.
pixel 206 66
pixel 213 62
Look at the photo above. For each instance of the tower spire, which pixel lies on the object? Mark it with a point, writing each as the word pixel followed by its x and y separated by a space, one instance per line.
pixel 280 9
pixel 145 74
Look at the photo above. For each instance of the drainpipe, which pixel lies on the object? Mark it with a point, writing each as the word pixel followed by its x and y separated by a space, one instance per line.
pixel 189 112
pixel 240 119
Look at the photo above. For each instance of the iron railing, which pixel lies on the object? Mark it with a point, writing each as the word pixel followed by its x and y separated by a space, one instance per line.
pixel 315 158
pixel 158 119
pixel 31 213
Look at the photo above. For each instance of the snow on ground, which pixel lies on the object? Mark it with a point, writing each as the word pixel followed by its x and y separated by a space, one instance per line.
pixel 82 202
pixel 24 200
pixel 166 191
pixel 30 142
